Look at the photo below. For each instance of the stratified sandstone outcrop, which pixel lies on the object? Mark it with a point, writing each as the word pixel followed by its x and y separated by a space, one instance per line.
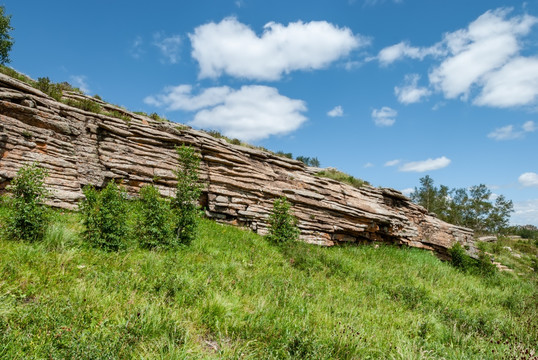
pixel 80 147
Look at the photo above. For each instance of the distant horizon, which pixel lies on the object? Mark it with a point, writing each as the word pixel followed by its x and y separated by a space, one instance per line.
pixel 388 91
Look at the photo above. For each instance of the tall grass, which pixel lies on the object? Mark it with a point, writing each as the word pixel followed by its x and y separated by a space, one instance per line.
pixel 231 295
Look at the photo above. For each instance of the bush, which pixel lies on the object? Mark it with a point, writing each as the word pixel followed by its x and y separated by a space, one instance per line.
pixel 188 190
pixel 282 225
pixel 104 216
pixel 50 88
pixel 156 117
pixel 29 217
pixel 459 257
pixel 464 262
pixel 155 227
pixel 84 104
pixel 343 177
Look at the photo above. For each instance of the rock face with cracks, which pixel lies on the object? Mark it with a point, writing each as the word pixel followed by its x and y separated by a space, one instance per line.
pixel 80 147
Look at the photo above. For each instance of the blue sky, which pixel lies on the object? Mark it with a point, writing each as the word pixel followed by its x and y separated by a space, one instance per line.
pixel 386 90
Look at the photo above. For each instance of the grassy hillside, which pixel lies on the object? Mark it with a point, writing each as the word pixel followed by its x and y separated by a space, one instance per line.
pixel 232 295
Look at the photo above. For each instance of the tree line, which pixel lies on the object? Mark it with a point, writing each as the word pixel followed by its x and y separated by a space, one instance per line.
pixel 474 207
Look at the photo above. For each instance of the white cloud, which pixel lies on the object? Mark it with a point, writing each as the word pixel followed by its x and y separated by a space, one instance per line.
pixel 525 212
pixel 407 191
pixel 488 43
pixel 515 84
pixel 403 49
pixel 235 49
pixel 169 46
pixel 251 113
pixel 509 133
pixel 483 58
pixel 411 92
pixel 426 165
pixel 384 116
pixel 180 98
pixel 528 179
pixel 505 133
pixel 80 81
pixel 392 162
pixel 136 50
pixel 368 165
pixel 336 112
pixel 529 126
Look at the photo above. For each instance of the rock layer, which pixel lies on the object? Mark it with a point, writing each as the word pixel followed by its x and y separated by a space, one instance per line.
pixel 79 147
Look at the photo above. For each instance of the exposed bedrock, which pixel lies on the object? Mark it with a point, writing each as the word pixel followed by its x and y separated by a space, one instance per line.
pixel 79 147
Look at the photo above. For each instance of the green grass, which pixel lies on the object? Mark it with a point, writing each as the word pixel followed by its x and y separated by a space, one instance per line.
pixel 233 295
pixel 343 177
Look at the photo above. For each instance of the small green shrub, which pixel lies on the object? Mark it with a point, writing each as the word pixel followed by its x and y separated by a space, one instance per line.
pixel 283 154
pixel 343 177
pixel 464 262
pixel 282 225
pixel 50 88
pixel 14 74
pixel 459 257
pixel 118 115
pixel 156 117
pixel 188 191
pixel 155 225
pixel 309 161
pixel 97 97
pixel 104 216
pixel 84 104
pixel 29 217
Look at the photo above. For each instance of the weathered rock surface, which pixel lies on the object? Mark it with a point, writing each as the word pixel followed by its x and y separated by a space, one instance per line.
pixel 80 147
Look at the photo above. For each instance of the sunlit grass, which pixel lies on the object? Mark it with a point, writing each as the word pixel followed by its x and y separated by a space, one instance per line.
pixel 232 295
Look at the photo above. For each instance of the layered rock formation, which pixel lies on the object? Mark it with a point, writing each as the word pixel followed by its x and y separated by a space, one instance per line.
pixel 80 147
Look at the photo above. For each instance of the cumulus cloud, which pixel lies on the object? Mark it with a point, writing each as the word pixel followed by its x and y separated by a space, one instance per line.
pixel 251 113
pixel 403 49
pixel 426 165
pixel 169 46
pixel 384 116
pixel 180 98
pixel 509 132
pixel 230 47
pixel 528 179
pixel 483 58
pixel 515 84
pixel 411 93
pixel 487 44
pixel 392 162
pixel 525 212
pixel 80 81
pixel 337 111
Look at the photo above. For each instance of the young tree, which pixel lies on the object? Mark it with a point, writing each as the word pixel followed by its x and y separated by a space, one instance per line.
pixel 282 225
pixel 425 195
pixel 104 216
pixel 155 227
pixel 29 219
pixel 500 214
pixel 6 41
pixel 188 191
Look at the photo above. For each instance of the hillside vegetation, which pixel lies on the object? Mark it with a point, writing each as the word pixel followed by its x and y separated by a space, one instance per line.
pixel 231 294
